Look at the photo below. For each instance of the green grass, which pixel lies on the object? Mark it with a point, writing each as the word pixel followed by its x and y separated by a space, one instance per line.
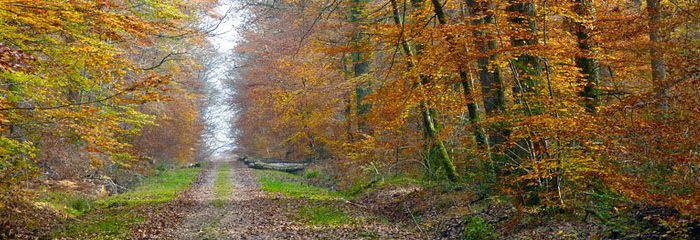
pixel 114 216
pixel 311 174
pixel 222 186
pixel 477 228
pixel 359 186
pixel 154 189
pixel 110 223
pixel 322 215
pixel 318 209
pixel 73 205
pixel 292 186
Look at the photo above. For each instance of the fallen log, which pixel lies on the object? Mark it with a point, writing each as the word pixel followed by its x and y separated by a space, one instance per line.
pixel 277 166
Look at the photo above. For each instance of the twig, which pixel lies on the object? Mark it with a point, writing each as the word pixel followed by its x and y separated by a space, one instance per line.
pixel 413 218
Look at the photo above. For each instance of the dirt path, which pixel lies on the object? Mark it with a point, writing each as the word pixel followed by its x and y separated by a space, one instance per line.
pixel 250 213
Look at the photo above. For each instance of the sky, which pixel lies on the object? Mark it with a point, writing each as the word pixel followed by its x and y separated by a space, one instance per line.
pixel 225 36
pixel 220 114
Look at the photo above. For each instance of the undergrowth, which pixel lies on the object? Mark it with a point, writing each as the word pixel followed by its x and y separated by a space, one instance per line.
pixel 73 205
pixel 477 229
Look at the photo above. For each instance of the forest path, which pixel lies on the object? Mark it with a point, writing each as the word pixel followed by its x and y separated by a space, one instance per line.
pixel 251 213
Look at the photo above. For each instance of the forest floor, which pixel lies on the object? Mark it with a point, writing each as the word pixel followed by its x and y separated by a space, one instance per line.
pixel 232 201
pixel 225 199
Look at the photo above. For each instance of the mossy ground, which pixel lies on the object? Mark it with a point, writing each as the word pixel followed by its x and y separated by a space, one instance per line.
pixel 322 215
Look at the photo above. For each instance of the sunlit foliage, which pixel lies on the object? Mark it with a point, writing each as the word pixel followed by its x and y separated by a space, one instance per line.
pixel 546 102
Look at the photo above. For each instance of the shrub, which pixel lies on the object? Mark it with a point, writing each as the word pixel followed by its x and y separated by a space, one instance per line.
pixel 79 203
pixel 160 168
pixel 311 174
pixel 475 229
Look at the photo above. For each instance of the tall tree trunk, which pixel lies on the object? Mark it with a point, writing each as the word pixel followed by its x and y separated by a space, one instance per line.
pixel 526 71
pixel 587 65
pixel 527 66
pixel 473 110
pixel 359 65
pixel 436 145
pixel 349 104
pixel 658 71
pixel 491 82
pixel 472 106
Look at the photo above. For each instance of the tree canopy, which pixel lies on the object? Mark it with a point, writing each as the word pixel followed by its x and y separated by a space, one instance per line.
pixel 547 102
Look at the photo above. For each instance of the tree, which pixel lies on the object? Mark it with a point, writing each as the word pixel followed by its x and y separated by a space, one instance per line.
pixel 571 91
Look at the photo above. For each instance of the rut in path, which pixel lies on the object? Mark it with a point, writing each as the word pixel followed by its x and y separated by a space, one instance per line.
pixel 250 213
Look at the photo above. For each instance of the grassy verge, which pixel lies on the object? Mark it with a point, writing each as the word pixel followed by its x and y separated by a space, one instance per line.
pixel 73 205
pixel 161 188
pixel 293 186
pixel 222 186
pixel 113 217
pixel 318 207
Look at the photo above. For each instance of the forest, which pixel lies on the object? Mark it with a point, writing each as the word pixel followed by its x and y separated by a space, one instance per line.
pixel 411 119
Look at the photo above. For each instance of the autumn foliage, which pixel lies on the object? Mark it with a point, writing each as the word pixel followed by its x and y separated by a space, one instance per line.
pixel 551 103
pixel 85 85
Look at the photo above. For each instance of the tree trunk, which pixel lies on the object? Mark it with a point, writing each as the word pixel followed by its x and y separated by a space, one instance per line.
pixel 491 82
pixel 526 71
pixel 436 145
pixel 658 71
pixel 360 66
pixel 527 66
pixel 587 65
pixel 473 110
pixel 472 106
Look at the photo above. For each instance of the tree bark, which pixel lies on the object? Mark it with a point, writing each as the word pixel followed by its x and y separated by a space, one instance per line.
pixel 491 82
pixel 527 66
pixel 526 71
pixel 658 70
pixel 472 106
pixel 587 65
pixel 360 66
pixel 435 144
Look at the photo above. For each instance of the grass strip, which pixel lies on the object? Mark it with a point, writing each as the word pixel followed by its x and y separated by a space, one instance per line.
pixel 222 186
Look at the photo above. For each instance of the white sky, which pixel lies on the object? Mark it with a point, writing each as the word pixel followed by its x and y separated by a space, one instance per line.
pixel 226 35
pixel 220 114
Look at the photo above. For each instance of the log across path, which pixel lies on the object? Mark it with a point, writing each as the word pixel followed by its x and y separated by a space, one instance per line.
pixel 251 213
